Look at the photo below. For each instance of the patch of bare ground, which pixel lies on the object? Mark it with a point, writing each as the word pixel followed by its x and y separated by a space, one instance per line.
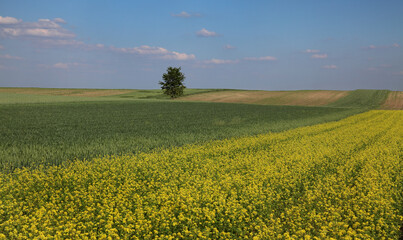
pixel 394 101
pixel 66 92
pixel 297 98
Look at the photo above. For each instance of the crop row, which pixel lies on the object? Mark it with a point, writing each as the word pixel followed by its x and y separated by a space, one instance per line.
pixel 336 180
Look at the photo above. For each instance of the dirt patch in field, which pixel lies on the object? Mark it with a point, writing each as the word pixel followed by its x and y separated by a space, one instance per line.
pixel 299 98
pixel 394 101
pixel 66 92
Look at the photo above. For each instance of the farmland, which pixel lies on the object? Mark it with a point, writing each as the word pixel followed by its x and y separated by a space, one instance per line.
pixel 201 120
pixel 340 180
pixel 131 164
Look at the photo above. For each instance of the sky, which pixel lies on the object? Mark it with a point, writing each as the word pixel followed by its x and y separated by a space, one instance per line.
pixel 233 44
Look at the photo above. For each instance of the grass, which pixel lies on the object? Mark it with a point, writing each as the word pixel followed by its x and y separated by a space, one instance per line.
pixel 51 133
pixel 43 95
pixel 18 98
pixel 369 99
pixel 157 94
pixel 338 180
pixel 78 92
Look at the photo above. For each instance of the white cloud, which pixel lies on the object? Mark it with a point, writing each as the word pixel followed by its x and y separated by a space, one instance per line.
pixel 206 33
pixel 44 23
pixel 159 52
pixel 9 20
pixel 144 50
pixel 1 47
pixel 61 65
pixel 225 61
pixel 43 28
pixel 59 20
pixel 221 61
pixel 266 58
pixel 184 14
pixel 44 33
pixel 6 56
pixel 179 56
pixel 311 51
pixel 229 47
pixel 319 56
pixel 330 67
pixel 37 32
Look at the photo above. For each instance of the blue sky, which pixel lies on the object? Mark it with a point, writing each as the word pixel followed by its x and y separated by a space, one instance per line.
pixel 268 45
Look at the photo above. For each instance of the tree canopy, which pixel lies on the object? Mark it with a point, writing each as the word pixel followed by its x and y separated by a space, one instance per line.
pixel 172 84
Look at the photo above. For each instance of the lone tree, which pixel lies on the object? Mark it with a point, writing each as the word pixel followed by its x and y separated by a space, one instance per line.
pixel 172 84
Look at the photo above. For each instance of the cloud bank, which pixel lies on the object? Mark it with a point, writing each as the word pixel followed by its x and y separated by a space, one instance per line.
pixel 43 28
pixel 158 52
pixel 50 33
pixel 9 20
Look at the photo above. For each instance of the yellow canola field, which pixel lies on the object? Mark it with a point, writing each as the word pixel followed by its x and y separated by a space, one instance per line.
pixel 340 180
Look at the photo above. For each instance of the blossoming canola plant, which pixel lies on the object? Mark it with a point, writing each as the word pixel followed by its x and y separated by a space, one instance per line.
pixel 335 180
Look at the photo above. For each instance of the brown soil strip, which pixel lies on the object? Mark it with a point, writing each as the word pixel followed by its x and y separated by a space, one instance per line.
pixel 394 101
pixel 299 98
